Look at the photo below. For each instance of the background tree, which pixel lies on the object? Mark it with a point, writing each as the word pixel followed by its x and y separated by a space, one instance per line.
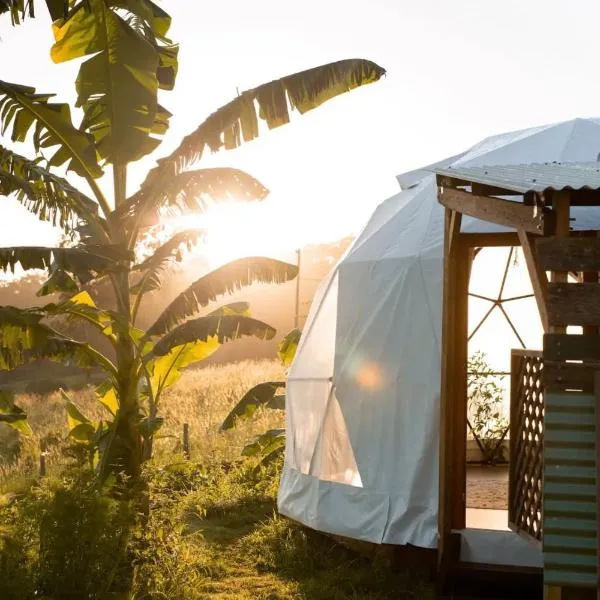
pixel 126 59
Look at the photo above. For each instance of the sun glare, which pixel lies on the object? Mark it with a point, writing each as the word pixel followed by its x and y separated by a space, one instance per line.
pixel 236 230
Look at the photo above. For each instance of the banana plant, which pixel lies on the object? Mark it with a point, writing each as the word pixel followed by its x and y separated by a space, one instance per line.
pixel 270 444
pixel 12 415
pixel 19 10
pixel 126 62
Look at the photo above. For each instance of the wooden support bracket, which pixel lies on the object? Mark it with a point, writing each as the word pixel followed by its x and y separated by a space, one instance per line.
pixel 532 219
pixel 539 281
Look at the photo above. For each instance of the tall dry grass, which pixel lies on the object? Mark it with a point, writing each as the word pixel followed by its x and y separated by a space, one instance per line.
pixel 201 398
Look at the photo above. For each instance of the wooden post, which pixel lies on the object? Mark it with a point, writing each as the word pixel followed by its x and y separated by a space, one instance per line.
pixel 453 400
pixel 561 203
pixel 186 441
pixel 597 423
pixel 537 276
pixel 297 308
pixel 42 464
pixel 590 277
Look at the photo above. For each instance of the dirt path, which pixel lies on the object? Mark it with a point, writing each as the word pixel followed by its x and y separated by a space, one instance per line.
pixel 487 487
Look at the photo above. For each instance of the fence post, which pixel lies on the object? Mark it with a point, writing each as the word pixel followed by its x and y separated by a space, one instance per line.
pixel 186 440
pixel 297 304
pixel 42 464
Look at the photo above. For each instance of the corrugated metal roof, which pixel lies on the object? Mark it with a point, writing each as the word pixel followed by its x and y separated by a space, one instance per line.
pixel 530 177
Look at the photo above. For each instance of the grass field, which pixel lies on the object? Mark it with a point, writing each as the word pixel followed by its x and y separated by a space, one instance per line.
pixel 213 530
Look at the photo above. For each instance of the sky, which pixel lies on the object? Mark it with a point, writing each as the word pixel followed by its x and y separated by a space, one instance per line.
pixel 456 72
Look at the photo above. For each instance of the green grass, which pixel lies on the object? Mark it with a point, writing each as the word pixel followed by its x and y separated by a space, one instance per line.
pixel 213 531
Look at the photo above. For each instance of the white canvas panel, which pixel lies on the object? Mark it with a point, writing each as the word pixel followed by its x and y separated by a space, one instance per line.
pixel 306 405
pixel 333 507
pixel 333 459
pixel 314 358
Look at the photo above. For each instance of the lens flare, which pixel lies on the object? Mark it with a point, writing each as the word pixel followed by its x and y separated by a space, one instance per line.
pixel 369 376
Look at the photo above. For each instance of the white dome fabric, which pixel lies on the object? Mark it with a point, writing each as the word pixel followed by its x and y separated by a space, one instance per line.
pixel 362 412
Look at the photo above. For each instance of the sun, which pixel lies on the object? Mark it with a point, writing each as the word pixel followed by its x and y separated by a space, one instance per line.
pixel 273 228
pixel 236 230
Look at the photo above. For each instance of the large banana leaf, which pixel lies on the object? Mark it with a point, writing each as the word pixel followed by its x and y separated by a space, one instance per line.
pixel 226 279
pixel 84 262
pixel 153 23
pixel 191 192
pixel 81 429
pixel 12 415
pixel 166 370
pixel 263 394
pixel 266 444
pixel 288 346
pixel 59 281
pixel 239 118
pixel 106 395
pixel 82 307
pixel 165 254
pixel 21 109
pixel 24 338
pixel 234 308
pixel 118 85
pixel 49 197
pixel 222 328
pixel 19 9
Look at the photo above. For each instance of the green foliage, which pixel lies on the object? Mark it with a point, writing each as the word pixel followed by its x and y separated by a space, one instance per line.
pixel 211 529
pixel 83 533
pixel 125 59
pixel 169 252
pixel 224 280
pixel 323 569
pixel 238 121
pixel 117 86
pixel 263 394
pixel 20 9
pixel 269 445
pixel 484 405
pixel 45 194
pixel 191 192
pixel 12 415
pixel 70 537
pixel 23 110
pixel 288 347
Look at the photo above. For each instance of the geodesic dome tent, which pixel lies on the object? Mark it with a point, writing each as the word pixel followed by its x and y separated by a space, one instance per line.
pixel 362 409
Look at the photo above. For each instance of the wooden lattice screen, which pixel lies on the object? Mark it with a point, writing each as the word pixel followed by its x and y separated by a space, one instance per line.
pixel 526 465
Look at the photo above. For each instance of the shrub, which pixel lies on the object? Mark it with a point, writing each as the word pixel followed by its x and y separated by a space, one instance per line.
pixel 485 397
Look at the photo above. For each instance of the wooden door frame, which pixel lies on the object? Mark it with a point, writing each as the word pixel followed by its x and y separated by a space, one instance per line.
pixel 458 249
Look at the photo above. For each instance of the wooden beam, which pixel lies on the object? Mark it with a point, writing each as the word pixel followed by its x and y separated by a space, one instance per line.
pixel 563 346
pixel 539 281
pixel 553 378
pixel 453 403
pixel 585 197
pixel 569 253
pixel 453 231
pixel 590 277
pixel 562 377
pixel 597 424
pixel 532 219
pixel 482 189
pixel 573 304
pixel 488 240
pixel 561 203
